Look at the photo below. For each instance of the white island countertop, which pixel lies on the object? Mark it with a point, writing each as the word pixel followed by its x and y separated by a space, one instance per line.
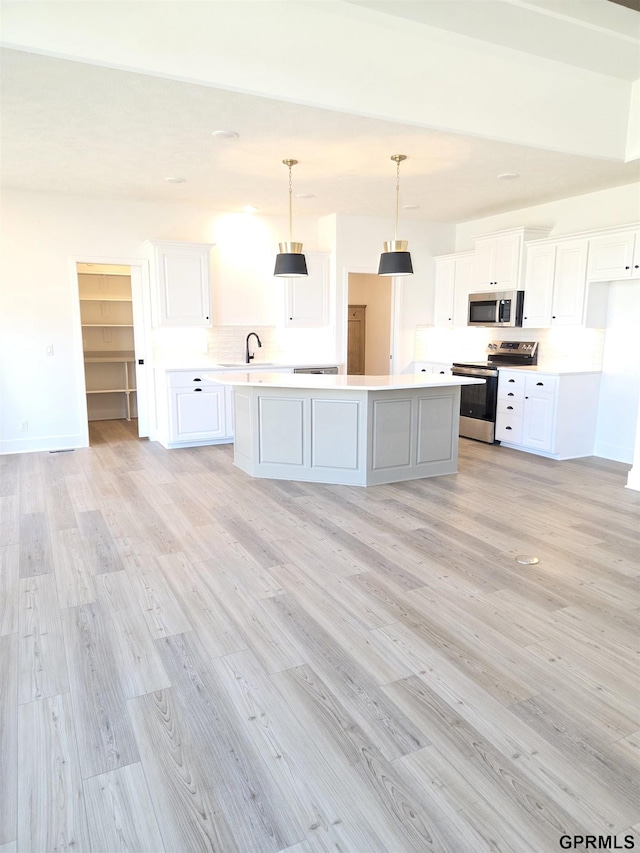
pixel 344 382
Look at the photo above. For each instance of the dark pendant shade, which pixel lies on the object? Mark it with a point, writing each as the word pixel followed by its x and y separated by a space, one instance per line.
pixel 395 263
pixel 290 265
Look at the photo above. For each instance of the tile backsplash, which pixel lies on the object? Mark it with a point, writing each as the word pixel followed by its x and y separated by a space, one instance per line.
pixel 563 346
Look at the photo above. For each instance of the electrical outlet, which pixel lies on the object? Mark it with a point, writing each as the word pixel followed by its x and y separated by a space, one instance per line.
pixel 24 426
pixel 50 349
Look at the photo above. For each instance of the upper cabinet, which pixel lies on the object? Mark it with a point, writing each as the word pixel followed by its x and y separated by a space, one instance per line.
pixel 555 284
pixel 181 284
pixel 499 259
pixel 307 297
pixel 452 285
pixel 614 256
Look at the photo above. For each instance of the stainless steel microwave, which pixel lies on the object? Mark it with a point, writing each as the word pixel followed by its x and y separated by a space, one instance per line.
pixel 498 308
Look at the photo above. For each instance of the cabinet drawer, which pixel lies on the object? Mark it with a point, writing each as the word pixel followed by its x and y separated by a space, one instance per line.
pixel 189 379
pixel 510 393
pixel 538 382
pixel 510 408
pixel 509 428
pixel 510 379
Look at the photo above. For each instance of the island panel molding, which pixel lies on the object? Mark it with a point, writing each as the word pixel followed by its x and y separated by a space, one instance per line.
pixel 348 430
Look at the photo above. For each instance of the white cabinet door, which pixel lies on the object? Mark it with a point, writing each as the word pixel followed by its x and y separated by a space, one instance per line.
pixel 198 414
pixel 453 282
pixel 307 298
pixel 569 283
pixel 611 257
pixel 497 262
pixel 445 289
pixel 538 293
pixel 182 284
pixel 507 263
pixel 538 412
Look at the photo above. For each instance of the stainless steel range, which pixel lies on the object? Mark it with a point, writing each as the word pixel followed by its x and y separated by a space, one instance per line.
pixel 478 402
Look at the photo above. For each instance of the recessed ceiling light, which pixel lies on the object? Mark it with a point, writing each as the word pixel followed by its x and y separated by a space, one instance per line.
pixel 175 180
pixel 225 134
pixel 410 206
pixel 508 176
pixel 249 209
pixel 305 195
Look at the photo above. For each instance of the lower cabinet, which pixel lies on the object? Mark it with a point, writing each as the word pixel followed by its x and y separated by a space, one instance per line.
pixel 550 414
pixel 194 410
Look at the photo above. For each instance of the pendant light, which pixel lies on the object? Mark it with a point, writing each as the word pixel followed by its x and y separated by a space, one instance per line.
pixel 395 259
pixel 290 262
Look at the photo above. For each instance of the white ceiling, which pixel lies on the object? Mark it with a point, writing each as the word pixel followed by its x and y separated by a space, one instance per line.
pixel 85 129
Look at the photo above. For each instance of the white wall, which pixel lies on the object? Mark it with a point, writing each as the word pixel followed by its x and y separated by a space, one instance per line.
pixel 38 299
pixel 358 244
pixel 603 209
pixel 620 382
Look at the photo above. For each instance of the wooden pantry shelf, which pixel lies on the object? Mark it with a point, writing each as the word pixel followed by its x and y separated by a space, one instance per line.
pixel 96 356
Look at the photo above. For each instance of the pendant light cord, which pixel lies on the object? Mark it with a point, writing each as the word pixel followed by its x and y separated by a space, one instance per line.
pixel 290 215
pixel 395 237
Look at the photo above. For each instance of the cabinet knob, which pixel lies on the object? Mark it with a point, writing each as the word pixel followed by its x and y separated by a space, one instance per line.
pixel 627 268
pixel 637 267
pixel 554 317
pixel 526 398
pixel 197 389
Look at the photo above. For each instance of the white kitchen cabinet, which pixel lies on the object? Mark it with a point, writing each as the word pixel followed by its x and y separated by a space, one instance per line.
pixel 307 297
pixel 192 410
pixel 181 284
pixel 499 259
pixel 453 281
pixel 557 292
pixel 614 256
pixel 550 414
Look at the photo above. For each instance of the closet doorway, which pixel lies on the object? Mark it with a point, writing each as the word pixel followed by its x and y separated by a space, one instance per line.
pixel 111 312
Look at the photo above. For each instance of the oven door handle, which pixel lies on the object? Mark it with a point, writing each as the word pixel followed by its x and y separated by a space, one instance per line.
pixel 473 371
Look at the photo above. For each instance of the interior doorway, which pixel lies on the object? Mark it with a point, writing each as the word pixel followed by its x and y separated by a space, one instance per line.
pixel 373 294
pixel 113 334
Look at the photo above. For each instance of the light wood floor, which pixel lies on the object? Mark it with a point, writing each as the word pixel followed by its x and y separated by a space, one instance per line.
pixel 193 660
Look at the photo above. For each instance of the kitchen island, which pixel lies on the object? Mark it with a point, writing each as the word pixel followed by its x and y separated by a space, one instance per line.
pixel 350 430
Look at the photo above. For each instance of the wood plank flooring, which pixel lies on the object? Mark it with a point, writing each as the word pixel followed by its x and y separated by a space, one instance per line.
pixel 193 660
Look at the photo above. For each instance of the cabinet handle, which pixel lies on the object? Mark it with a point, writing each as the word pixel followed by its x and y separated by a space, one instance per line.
pixel 197 380
pixel 507 427
pixel 510 408
pixel 510 394
pixel 539 383
pixel 424 370
pixel 442 371
pixel 197 389
pixel 511 380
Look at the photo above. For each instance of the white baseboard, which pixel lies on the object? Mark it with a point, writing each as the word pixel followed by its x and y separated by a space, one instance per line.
pixel 42 443
pixel 615 452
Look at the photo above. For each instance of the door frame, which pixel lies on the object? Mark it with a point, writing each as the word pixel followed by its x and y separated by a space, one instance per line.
pixel 141 305
pixel 395 314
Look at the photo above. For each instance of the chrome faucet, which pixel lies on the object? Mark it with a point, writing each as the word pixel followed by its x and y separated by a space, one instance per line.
pixel 249 358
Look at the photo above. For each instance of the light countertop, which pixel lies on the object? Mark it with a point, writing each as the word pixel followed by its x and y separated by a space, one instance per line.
pixel 343 382
pixel 195 364
pixel 550 370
